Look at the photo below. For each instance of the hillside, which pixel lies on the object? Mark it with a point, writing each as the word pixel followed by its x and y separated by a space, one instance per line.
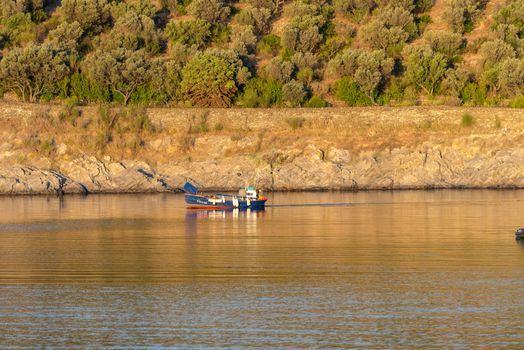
pixel 263 53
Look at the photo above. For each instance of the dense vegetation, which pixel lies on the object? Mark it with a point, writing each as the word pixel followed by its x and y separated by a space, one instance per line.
pixel 260 53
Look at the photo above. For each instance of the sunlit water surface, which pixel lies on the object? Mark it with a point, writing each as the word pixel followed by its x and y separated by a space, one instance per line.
pixel 408 269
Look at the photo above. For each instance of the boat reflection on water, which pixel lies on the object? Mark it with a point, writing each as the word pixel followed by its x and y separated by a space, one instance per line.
pixel 225 214
pixel 241 221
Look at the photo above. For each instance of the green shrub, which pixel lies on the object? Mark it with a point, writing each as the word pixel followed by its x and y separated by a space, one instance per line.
pixel 473 94
pixel 79 86
pixel 423 5
pixel 425 68
pixel 199 125
pixel 498 123
pixel 398 16
pixel 186 142
pixel 422 22
pixel 261 93
pixel 270 44
pixel 42 146
pixel 305 76
pixel 296 122
pixel 393 92
pixel 316 102
pixel 105 116
pixel 175 7
pixel 467 120
pixel 70 114
pixel 103 138
pixel 30 71
pixel 347 90
pixel 146 94
pixel 137 120
pixel 517 102
pixel 370 70
pixel 218 126
pixel 221 33
pixel 329 49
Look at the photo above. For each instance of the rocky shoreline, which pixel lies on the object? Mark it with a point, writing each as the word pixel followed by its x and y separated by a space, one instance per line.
pixel 406 154
pixel 312 169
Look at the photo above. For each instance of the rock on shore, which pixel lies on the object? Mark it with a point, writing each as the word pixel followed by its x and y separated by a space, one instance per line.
pixel 29 180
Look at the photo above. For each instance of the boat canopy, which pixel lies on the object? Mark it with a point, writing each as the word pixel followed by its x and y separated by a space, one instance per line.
pixel 190 188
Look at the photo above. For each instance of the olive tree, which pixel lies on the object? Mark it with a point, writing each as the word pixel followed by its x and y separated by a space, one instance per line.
pixel 379 35
pixel 370 70
pixel 345 63
pixel 18 29
pixel 195 32
pixel 264 4
pixel 122 70
pixel 511 15
pixel 28 71
pixel 170 82
pixel 305 60
pixel 259 18
pixel 425 68
pixel 303 33
pixel 66 36
pixel 354 9
pixel 510 34
pixel 213 11
pixel 493 52
pixel 293 93
pixel 92 15
pixel 133 31
pixel 397 16
pixel 460 14
pixel 506 78
pixel 140 7
pixel 10 8
pixel 446 43
pixel 243 40
pixel 278 70
pixel 300 8
pixel 511 77
pixel 405 4
pixel 455 81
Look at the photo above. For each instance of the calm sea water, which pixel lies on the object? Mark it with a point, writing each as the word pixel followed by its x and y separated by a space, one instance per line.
pixel 436 269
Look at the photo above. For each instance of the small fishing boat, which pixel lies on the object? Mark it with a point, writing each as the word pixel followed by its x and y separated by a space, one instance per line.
pixel 247 198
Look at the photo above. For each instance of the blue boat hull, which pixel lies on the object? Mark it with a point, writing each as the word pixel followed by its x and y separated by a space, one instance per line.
pixel 194 201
